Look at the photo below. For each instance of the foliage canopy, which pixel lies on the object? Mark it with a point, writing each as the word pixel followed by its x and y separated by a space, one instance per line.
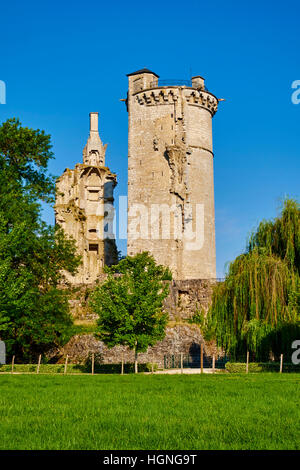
pixel 129 303
pixel 34 312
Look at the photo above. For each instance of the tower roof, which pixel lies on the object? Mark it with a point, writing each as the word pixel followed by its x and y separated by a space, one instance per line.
pixel 142 71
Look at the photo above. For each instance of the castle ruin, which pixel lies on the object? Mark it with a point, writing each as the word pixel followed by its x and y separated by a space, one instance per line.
pixel 170 205
pixel 83 208
pixel 170 185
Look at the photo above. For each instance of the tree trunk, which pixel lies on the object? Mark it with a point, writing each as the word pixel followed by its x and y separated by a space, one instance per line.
pixel 135 362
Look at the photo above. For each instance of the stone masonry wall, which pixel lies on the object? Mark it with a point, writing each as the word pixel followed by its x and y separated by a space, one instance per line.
pixel 84 209
pixel 184 300
pixel 170 174
pixel 187 297
pixel 184 339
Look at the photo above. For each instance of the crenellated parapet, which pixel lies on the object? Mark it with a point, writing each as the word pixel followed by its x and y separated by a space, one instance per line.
pixel 202 98
pixel 172 94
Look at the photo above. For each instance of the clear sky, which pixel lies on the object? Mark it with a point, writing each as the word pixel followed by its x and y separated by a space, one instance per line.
pixel 62 59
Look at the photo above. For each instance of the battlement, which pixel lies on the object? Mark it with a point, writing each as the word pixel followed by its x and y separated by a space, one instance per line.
pixel 170 94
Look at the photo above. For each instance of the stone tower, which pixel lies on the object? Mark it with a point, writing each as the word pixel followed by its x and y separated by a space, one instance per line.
pixel 170 173
pixel 84 208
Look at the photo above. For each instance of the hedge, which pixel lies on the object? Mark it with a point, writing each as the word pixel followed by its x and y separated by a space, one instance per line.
pixel 240 367
pixel 77 368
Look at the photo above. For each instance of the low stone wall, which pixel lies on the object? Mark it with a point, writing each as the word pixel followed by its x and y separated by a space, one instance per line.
pixel 186 297
pixel 182 338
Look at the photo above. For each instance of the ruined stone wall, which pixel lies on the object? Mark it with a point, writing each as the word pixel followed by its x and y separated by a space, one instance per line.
pixel 80 297
pixel 185 299
pixel 170 171
pixel 84 208
pixel 188 297
pixel 184 339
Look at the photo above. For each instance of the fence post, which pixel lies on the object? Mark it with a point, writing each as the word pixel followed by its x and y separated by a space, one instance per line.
pixel 281 363
pixel 12 364
pixel 247 363
pixel 201 358
pixel 213 363
pixel 38 365
pixel 122 364
pixel 93 363
pixel 181 362
pixel 66 365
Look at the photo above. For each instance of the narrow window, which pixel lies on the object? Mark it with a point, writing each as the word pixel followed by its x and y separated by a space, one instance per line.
pixel 93 195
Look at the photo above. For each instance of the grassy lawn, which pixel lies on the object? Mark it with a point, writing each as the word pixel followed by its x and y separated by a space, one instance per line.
pixel 258 411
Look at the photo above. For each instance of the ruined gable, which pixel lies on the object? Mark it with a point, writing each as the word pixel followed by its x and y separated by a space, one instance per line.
pixel 84 206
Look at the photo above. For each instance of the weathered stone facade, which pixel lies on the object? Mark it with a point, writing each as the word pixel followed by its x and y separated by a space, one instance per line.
pixel 181 338
pixel 185 298
pixel 170 209
pixel 188 297
pixel 84 208
pixel 170 174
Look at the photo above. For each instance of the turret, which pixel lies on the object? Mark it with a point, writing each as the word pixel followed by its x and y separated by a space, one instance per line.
pixel 141 80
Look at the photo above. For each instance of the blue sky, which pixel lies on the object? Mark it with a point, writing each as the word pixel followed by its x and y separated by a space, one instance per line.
pixel 61 60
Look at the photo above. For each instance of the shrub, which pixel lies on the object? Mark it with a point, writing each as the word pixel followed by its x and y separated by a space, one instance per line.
pixel 240 367
pixel 78 368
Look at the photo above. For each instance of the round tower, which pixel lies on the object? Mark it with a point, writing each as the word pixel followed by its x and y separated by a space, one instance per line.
pixel 170 173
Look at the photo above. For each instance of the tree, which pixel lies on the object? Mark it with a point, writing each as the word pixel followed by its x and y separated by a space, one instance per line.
pixel 34 311
pixel 257 307
pixel 24 157
pixel 129 303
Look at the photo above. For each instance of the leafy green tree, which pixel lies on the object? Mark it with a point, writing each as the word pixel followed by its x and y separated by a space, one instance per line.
pixel 129 303
pixel 257 307
pixel 24 157
pixel 34 312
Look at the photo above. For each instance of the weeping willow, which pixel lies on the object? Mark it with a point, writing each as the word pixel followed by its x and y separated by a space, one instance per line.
pixel 257 307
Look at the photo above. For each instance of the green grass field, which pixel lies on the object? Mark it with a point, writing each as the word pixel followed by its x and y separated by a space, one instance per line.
pixel 258 411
